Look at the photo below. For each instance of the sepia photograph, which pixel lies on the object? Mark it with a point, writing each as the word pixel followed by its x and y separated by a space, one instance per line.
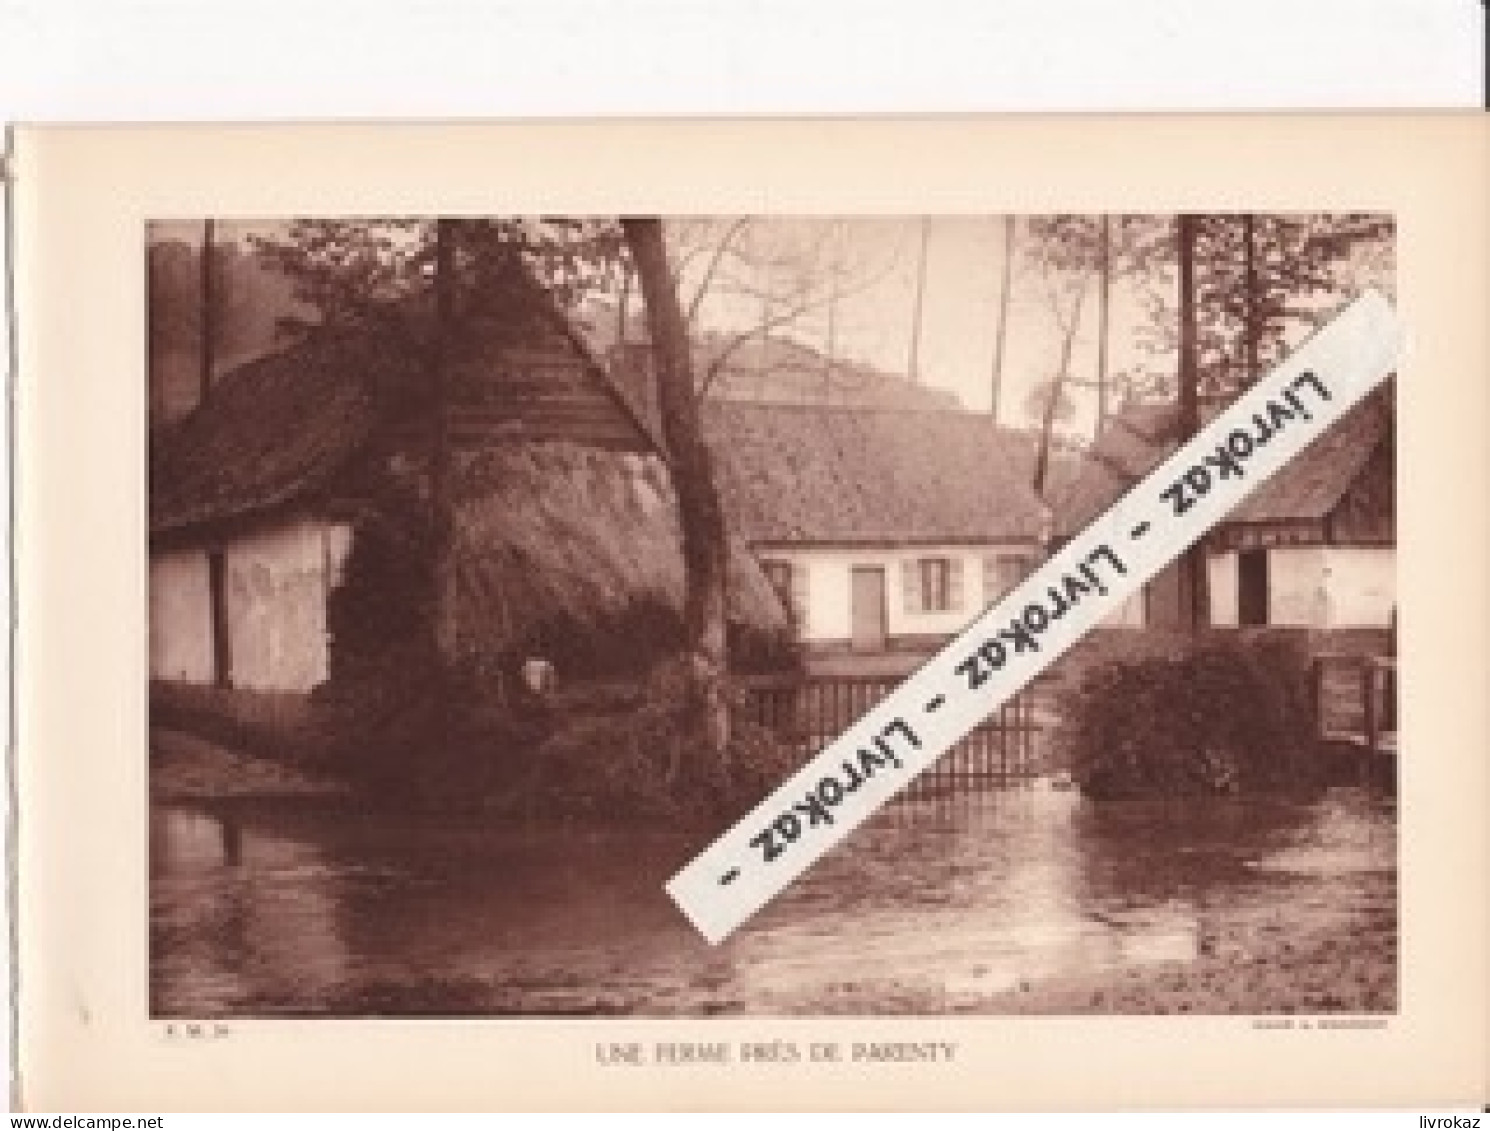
pixel 449 550
pixel 497 563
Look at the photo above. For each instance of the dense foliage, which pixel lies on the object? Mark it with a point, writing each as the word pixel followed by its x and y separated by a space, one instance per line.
pixel 1225 717
pixel 1259 281
pixel 618 752
pixel 357 271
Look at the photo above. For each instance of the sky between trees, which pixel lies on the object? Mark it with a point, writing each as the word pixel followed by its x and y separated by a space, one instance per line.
pixel 878 261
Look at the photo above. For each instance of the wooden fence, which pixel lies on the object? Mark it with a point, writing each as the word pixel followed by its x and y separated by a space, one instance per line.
pixel 808 713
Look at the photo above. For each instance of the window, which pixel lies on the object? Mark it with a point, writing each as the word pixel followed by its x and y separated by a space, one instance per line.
pixel 933 585
pixel 936 584
pixel 1001 572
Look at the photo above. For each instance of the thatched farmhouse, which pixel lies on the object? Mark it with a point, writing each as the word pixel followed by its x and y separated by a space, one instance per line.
pixel 882 529
pixel 302 472
pixel 1313 547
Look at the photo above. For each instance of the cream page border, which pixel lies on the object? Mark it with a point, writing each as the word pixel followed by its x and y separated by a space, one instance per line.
pixel 83 197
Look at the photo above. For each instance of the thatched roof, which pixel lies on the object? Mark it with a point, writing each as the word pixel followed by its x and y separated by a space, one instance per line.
pixel 821 475
pixel 557 527
pixel 268 433
pixel 1313 484
pixel 280 428
pixel 1141 436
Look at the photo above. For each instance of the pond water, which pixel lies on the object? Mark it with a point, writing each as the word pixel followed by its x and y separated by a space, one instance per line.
pixel 258 912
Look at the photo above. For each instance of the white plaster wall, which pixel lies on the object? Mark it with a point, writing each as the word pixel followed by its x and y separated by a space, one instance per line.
pixel 1361 585
pixel 277 584
pixel 1296 585
pixel 828 616
pixel 830 582
pixel 1221 581
pixel 180 617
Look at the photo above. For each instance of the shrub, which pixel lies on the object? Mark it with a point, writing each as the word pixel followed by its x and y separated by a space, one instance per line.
pixel 649 761
pixel 643 632
pixel 619 750
pixel 1228 716
pixel 406 732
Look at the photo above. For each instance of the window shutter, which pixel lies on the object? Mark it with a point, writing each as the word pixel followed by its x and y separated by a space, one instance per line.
pixel 799 596
pixel 910 577
pixel 954 583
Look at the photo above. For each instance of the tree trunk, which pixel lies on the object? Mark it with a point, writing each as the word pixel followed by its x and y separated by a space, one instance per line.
pixel 1104 298
pixel 209 309
pixel 1189 360
pixel 443 641
pixel 700 513
pixel 913 361
pixel 623 312
pixel 1194 567
pixel 1251 329
pixel 1001 328
pixel 1057 390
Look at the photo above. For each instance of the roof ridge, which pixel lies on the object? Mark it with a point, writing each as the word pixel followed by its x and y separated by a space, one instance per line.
pixel 896 409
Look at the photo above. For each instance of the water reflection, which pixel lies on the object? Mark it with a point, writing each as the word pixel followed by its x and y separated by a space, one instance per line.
pixel 931 905
pixel 233 910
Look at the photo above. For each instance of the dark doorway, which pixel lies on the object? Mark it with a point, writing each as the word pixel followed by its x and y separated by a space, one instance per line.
pixel 217 595
pixel 1252 587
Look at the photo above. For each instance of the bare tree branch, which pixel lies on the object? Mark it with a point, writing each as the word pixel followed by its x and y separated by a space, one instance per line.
pixel 807 302
pixel 789 314
pixel 720 250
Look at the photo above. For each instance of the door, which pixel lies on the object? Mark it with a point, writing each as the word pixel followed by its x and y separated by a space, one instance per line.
pixel 1252 587
pixel 868 609
pixel 217 598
